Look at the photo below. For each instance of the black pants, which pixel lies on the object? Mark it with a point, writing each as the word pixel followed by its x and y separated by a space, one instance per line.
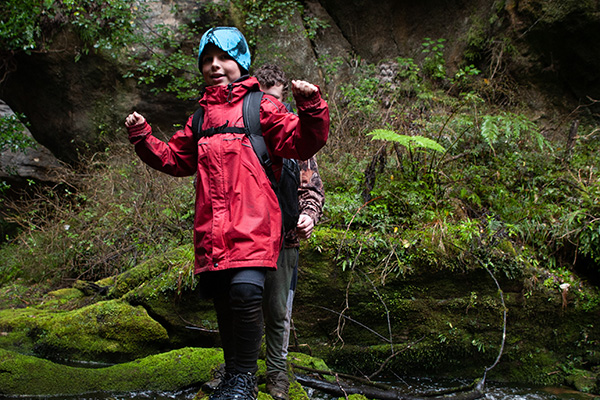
pixel 238 302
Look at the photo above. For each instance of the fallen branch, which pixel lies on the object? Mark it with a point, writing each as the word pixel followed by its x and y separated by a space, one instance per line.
pixel 366 381
pixel 340 389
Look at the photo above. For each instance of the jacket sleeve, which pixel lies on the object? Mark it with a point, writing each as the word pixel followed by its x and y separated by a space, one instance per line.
pixel 311 196
pixel 295 136
pixel 178 157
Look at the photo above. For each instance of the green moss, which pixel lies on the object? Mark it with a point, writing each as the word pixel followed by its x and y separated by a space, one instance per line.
pixel 105 331
pixel 108 281
pixel 65 299
pixel 16 341
pixel 307 361
pixel 584 381
pixel 532 367
pixel 356 397
pixel 297 392
pixel 179 261
pixel 17 327
pixel 66 294
pixel 25 375
pixel 172 298
pixel 476 40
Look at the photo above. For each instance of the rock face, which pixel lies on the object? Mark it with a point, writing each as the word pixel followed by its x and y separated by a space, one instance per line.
pixel 36 163
pixel 68 103
pixel 392 28
pixel 561 48
pixel 549 45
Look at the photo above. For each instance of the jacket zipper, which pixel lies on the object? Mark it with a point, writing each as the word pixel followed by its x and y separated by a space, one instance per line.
pixel 230 94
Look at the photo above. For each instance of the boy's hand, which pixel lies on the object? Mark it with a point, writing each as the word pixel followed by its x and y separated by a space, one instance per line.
pixel 134 119
pixel 304 88
pixel 305 226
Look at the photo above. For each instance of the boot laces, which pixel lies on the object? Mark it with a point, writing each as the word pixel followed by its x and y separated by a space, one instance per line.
pixel 237 387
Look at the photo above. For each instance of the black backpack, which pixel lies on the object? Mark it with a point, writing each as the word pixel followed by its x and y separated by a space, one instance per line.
pixel 287 187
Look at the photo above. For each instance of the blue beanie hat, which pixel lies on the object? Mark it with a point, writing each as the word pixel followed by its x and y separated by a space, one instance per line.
pixel 231 41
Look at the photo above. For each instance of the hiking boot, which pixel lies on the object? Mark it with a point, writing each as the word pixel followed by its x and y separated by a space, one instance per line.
pixel 218 376
pixel 240 386
pixel 278 385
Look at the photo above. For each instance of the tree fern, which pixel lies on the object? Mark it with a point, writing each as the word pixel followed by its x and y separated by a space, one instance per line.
pixel 405 140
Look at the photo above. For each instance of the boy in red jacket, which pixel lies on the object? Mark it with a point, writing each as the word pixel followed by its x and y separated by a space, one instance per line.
pixel 237 224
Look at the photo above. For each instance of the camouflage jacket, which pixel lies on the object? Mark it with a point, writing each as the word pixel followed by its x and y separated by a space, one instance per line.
pixel 311 197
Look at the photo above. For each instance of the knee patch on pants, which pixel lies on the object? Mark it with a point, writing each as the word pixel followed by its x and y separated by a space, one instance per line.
pixel 245 293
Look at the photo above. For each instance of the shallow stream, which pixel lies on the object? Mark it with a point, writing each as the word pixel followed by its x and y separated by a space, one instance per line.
pixel 492 391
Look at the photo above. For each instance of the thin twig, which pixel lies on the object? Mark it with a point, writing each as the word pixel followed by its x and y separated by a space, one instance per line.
pixel 337 380
pixel 391 356
pixel 340 326
pixel 387 311
pixel 356 322
pixel 352 220
pixel 504 321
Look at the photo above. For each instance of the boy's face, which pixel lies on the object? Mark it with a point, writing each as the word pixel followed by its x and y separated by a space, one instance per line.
pixel 275 91
pixel 218 68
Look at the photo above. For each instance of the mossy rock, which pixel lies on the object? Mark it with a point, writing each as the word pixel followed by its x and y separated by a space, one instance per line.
pixel 180 259
pixel 17 327
pixel 66 295
pixel 30 376
pixel 106 331
pixel 166 288
pixel 307 361
pixel 584 381
pixel 22 375
pixel 172 298
pixel 109 331
pixel 450 321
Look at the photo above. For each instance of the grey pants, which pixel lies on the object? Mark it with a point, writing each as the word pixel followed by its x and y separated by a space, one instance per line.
pixel 277 309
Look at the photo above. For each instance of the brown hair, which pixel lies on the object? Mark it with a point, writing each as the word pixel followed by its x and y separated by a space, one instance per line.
pixel 269 75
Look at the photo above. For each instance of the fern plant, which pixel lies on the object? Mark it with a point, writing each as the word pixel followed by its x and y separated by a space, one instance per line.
pixel 410 142
pixel 506 129
pixel 413 145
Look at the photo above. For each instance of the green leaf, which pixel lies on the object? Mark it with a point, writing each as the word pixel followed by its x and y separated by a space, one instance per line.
pixel 405 140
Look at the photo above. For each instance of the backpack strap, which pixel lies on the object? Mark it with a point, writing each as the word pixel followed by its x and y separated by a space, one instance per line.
pixel 197 121
pixel 251 115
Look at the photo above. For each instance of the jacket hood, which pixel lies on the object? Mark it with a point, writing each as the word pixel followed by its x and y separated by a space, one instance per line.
pixel 230 92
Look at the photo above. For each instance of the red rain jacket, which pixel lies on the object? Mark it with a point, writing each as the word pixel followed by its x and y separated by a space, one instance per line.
pixel 238 220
